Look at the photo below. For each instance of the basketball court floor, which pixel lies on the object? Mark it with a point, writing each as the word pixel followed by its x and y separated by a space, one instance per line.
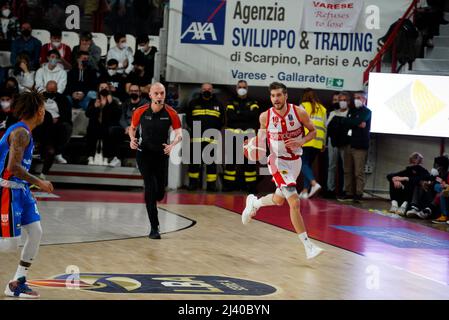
pixel 95 246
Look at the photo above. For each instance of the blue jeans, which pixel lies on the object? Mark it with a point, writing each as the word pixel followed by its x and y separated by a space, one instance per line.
pixel 83 104
pixel 443 200
pixel 308 156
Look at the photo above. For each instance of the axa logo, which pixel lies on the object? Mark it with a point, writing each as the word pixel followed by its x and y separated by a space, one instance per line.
pixel 156 284
pixel 203 21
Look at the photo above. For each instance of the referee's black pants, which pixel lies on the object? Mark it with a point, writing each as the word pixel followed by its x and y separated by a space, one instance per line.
pixel 153 168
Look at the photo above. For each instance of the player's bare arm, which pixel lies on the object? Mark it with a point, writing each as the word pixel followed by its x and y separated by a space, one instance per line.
pixel 305 119
pixel 132 135
pixel 262 133
pixel 19 140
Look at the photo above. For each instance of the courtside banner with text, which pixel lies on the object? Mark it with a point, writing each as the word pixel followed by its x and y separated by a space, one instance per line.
pixel 223 41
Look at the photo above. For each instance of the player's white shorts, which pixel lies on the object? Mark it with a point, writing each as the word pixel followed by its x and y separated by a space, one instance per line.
pixel 284 172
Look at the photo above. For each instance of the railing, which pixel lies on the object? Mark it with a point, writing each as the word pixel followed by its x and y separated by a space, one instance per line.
pixel 376 63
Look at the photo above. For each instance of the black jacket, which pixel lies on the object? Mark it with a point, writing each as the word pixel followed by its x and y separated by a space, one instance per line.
pixel 359 138
pixel 415 173
pixel 242 114
pixel 337 132
pixel 107 116
pixel 65 111
pixel 85 82
pixel 209 112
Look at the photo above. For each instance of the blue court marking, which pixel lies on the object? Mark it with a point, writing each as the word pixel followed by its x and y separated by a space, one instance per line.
pixel 398 237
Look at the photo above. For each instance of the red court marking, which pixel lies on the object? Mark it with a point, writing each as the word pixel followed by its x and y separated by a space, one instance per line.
pixel 319 216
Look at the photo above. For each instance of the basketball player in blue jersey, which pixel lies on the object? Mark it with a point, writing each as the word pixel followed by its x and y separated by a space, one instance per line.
pixel 18 207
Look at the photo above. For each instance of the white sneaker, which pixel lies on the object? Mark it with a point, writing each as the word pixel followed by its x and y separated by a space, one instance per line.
pixel 105 162
pixel 60 159
pixel 402 209
pixel 394 206
pixel 90 161
pixel 250 210
pixel 303 195
pixel 312 250
pixel 98 159
pixel 19 289
pixel 115 162
pixel 42 176
pixel 314 190
pixel 413 212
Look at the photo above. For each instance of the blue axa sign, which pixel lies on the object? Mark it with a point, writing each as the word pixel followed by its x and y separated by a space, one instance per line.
pixel 203 21
pixel 156 284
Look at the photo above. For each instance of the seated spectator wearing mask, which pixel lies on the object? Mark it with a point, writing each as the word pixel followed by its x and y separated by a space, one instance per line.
pixel 23 73
pixel 56 44
pixel 122 53
pixel 26 43
pixel 115 80
pixel 139 76
pixel 104 115
pixel 6 115
pixel 10 26
pixel 81 83
pixel 146 52
pixel 59 107
pixel 52 70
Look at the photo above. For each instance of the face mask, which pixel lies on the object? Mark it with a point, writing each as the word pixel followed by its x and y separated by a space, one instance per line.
pixel 56 44
pixel 5 105
pixel 122 45
pixel 142 49
pixel 84 63
pixel 6 13
pixel 242 92
pixel 53 62
pixel 343 104
pixel 134 96
pixel 26 32
pixel 206 94
pixel 358 103
pixel 112 72
pixel 104 92
pixel 50 95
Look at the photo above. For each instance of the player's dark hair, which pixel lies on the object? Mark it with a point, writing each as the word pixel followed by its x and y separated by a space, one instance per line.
pixel 27 104
pixel 277 85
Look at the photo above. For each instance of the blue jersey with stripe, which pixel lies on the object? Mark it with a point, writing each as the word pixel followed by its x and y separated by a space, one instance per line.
pixel 4 153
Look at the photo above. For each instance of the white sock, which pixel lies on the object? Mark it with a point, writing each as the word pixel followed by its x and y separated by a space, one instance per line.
pixel 304 238
pixel 21 272
pixel 265 201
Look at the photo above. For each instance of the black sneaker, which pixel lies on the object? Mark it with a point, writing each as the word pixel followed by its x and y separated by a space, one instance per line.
pixel 346 198
pixel 154 233
pixel 357 198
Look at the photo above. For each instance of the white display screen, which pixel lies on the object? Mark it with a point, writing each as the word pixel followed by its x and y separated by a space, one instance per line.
pixel 409 104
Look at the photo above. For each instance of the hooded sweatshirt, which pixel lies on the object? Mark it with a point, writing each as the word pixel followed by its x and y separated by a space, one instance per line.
pixel 58 74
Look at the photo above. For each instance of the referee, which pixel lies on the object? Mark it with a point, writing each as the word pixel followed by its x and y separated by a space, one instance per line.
pixel 153 122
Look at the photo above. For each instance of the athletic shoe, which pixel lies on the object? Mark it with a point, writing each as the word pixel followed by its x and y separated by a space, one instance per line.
pixel 303 195
pixel 394 206
pixel 115 162
pixel 312 250
pixel 402 209
pixel 60 159
pixel 441 219
pixel 425 214
pixel 19 289
pixel 413 212
pixel 346 198
pixel 42 176
pixel 250 210
pixel 314 190
pixel 154 233
pixel 90 161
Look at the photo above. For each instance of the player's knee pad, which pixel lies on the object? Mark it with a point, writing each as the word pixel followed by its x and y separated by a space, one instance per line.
pixel 289 191
pixel 33 232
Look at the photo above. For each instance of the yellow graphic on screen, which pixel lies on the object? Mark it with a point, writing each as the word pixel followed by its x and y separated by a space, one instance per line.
pixel 415 104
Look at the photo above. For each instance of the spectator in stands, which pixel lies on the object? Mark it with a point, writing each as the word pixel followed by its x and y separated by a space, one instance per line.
pixel 134 101
pixel 12 84
pixel 56 44
pixel 441 188
pixel 87 45
pixel 403 183
pixel 23 74
pixel 58 106
pixel 10 26
pixel 122 53
pixel 52 70
pixel 358 124
pixel 139 76
pixel 26 43
pixel 81 83
pixel 338 139
pixel 116 81
pixel 146 52
pixel 311 149
pixel 104 113
pixel 6 115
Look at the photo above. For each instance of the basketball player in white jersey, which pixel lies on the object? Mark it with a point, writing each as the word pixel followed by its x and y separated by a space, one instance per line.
pixel 283 127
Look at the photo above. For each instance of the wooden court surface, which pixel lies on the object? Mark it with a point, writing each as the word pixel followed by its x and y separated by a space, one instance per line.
pixel 219 245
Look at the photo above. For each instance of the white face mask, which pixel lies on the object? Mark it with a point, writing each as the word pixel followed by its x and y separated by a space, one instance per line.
pixel 343 104
pixel 122 45
pixel 6 12
pixel 112 72
pixel 56 44
pixel 242 92
pixel 358 103
pixel 142 48
pixel 5 105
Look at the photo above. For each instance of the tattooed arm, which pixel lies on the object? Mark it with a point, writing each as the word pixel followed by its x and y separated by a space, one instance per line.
pixel 18 141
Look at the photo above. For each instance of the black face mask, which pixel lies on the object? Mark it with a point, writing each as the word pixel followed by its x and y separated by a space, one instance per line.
pixel 134 96
pixel 206 94
pixel 26 33
pixel 104 92
pixel 84 63
pixel 335 106
pixel 50 95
